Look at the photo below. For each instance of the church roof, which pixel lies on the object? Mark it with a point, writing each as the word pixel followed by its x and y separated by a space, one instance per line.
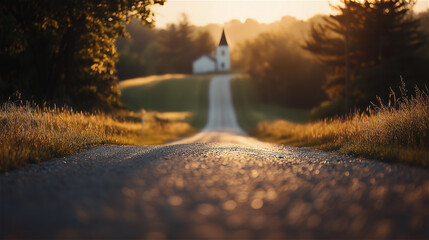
pixel 223 39
pixel 210 57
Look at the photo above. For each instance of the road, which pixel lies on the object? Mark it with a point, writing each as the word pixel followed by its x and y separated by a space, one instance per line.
pixel 218 184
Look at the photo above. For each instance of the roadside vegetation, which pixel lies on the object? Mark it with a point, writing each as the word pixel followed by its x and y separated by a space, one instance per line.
pixel 345 62
pixel 339 65
pixel 328 64
pixel 31 133
pixel 396 131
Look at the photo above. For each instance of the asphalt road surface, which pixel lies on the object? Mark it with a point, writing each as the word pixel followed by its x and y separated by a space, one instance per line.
pixel 218 184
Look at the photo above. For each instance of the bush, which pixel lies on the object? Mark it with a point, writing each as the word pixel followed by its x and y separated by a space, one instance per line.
pixel 31 134
pixel 397 130
pixel 328 109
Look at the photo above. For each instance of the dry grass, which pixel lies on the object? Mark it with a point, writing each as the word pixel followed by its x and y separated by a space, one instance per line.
pixel 31 134
pixel 149 80
pixel 397 131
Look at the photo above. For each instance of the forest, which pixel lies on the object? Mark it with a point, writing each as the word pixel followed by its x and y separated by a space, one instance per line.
pixel 367 48
pixel 74 52
pixel 148 51
pixel 300 64
pixel 63 52
pixel 354 57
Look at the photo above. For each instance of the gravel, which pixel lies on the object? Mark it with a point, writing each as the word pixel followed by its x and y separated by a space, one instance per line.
pixel 217 184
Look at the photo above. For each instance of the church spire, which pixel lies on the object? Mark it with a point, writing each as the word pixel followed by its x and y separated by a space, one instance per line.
pixel 223 39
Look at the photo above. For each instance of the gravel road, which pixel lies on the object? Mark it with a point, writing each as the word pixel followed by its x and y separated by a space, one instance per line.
pixel 218 184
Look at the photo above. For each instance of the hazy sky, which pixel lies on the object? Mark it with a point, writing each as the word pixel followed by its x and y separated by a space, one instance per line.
pixel 202 12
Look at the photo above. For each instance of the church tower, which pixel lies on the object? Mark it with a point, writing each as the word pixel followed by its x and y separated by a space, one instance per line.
pixel 222 54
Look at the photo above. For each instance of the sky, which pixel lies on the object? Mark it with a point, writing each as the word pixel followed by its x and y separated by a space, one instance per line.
pixel 203 12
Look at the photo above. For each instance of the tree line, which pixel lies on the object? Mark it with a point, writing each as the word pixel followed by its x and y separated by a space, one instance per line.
pixel 64 51
pixel 146 51
pixel 156 51
pixel 283 72
pixel 367 47
pixel 67 52
pixel 353 56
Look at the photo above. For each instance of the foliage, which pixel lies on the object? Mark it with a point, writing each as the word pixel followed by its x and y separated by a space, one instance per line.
pixel 384 41
pixel 395 131
pixel 133 48
pixel 329 108
pixel 64 51
pixel 140 53
pixel 424 21
pixel 170 50
pixel 176 48
pixel 281 71
pixel 137 51
pixel 31 133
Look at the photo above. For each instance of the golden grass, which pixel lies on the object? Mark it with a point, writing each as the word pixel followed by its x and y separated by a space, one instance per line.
pixel 31 134
pixel 397 131
pixel 149 80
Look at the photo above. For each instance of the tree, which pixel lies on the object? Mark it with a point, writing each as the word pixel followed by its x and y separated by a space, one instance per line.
pixel 203 44
pixel 133 62
pixel 281 72
pixel 64 51
pixel 384 42
pixel 170 50
pixel 177 46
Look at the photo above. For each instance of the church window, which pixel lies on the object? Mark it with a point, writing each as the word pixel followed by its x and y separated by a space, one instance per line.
pixel 223 53
pixel 222 65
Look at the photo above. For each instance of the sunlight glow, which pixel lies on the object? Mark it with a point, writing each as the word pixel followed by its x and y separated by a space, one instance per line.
pixel 203 12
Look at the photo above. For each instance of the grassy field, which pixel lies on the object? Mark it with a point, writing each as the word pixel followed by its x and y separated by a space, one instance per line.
pixel 397 131
pixel 250 112
pixel 186 95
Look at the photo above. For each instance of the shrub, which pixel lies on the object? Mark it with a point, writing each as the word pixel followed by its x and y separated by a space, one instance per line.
pixel 31 134
pixel 397 130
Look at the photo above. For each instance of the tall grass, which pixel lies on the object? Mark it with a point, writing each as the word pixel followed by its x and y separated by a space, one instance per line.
pixel 31 134
pixel 395 131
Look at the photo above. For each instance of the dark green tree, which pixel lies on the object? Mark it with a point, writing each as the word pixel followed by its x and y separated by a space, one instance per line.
pixel 179 46
pixel 133 61
pixel 64 51
pixel 381 40
pixel 203 44
pixel 169 50
pixel 281 72
pixel 392 47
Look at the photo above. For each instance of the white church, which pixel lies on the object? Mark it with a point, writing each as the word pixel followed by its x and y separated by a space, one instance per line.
pixel 216 62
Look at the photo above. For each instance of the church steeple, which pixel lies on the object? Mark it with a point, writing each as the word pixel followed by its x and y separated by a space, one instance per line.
pixel 222 54
pixel 223 41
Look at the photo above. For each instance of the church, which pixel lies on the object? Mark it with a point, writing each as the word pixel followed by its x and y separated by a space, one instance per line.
pixel 217 62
